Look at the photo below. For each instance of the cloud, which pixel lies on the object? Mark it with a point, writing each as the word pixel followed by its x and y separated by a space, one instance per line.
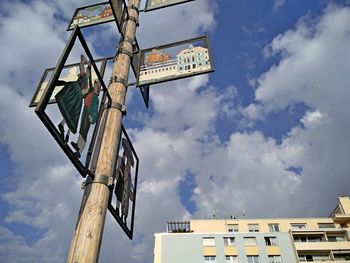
pixel 278 4
pixel 310 67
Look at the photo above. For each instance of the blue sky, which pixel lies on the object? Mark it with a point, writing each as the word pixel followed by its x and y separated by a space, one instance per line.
pixel 266 131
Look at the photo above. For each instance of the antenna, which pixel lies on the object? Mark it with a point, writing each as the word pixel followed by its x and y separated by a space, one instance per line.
pixel 214 215
pixel 243 212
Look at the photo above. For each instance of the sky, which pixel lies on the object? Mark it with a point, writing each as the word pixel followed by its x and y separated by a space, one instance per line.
pixel 266 133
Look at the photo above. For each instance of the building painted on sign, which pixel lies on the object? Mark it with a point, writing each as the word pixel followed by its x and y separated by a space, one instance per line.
pixel 158 2
pixel 160 66
pixel 193 59
pixel 105 14
pixel 273 240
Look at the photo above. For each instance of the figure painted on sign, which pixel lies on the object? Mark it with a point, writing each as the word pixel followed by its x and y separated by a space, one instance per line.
pixel 89 116
pixel 124 188
pixel 69 99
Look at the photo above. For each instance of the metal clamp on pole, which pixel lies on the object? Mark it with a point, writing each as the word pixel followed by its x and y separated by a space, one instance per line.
pixel 115 105
pixel 99 179
pixel 118 106
pixel 134 19
pixel 134 8
pixel 119 80
pixel 124 51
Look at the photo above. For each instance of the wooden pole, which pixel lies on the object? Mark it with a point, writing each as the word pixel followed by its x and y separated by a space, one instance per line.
pixel 87 237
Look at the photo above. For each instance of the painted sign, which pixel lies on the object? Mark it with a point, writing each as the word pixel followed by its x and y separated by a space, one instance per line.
pixel 157 4
pixel 174 61
pixel 92 15
pixel 123 195
pixel 73 118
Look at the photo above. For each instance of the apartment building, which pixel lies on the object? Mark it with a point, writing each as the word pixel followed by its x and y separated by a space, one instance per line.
pixel 272 240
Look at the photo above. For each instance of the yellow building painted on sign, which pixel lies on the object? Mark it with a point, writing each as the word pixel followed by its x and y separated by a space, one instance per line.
pixel 272 240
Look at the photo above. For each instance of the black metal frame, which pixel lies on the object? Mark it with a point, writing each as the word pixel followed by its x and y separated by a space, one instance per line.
pixel 124 14
pixel 98 23
pixel 145 94
pixel 40 108
pixel 32 101
pixel 165 5
pixel 112 210
pixel 135 60
pixel 187 41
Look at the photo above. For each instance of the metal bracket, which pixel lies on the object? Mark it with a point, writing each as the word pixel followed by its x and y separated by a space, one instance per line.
pixel 129 40
pixel 119 80
pixel 124 51
pixel 99 179
pixel 135 8
pixel 134 19
pixel 116 105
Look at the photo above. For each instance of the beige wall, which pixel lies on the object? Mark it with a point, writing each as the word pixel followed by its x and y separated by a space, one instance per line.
pixel 344 202
pixel 157 248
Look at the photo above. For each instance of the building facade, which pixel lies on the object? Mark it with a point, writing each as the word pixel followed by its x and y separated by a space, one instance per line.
pixel 272 240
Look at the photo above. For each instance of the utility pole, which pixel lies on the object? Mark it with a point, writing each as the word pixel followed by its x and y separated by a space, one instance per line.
pixel 87 237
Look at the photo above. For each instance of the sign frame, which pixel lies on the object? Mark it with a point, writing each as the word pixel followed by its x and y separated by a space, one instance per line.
pixel 165 5
pixel 40 108
pixel 145 93
pixel 128 231
pixel 69 28
pixel 182 42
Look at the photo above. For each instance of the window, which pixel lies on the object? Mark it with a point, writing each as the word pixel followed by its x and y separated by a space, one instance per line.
pixel 326 225
pixel 253 259
pixel 275 259
pixel 336 238
pixel 308 239
pixel 274 227
pixel 208 241
pixel 229 241
pixel 271 241
pixel 231 259
pixel 210 259
pixel 194 66
pixel 298 226
pixel 317 257
pixel 232 228
pixel 253 227
pixel 341 255
pixel 250 241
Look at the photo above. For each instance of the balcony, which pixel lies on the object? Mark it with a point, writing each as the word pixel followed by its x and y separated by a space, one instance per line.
pixel 319 246
pixel 179 227
pixel 341 218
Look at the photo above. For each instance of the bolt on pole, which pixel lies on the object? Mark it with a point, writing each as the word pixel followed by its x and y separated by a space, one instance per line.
pixel 87 236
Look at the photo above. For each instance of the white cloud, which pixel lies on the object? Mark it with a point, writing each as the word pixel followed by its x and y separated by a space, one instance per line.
pixel 278 4
pixel 312 61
